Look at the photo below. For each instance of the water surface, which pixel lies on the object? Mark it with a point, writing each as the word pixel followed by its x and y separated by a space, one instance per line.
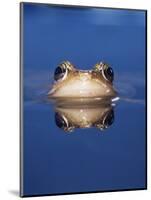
pixel 87 159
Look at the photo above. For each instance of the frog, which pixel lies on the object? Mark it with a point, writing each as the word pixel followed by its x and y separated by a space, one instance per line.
pixel 71 82
pixel 68 118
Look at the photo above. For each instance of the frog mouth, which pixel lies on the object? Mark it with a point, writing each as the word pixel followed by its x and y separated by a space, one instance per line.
pixel 83 87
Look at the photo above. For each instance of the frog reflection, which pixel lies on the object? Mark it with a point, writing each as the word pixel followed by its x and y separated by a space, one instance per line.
pixel 84 116
pixel 73 83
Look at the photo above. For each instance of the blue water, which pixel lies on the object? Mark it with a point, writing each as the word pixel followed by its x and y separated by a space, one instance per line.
pixel 89 159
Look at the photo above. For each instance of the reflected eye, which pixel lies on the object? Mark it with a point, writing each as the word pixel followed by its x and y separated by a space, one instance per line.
pixel 109 74
pixel 61 122
pixel 60 73
pixel 109 119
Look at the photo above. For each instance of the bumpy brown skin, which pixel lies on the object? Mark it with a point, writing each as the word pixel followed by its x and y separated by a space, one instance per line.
pixel 82 83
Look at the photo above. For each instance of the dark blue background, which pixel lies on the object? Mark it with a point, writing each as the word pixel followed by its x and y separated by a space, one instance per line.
pixel 86 160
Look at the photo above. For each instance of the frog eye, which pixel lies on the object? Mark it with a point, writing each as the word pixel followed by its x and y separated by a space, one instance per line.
pixel 60 72
pixel 108 74
pixel 105 70
pixel 62 122
pixel 108 119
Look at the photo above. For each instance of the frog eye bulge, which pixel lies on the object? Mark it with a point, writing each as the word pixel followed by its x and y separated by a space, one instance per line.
pixel 108 74
pixel 60 72
pixel 109 118
pixel 61 122
pixel 105 70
